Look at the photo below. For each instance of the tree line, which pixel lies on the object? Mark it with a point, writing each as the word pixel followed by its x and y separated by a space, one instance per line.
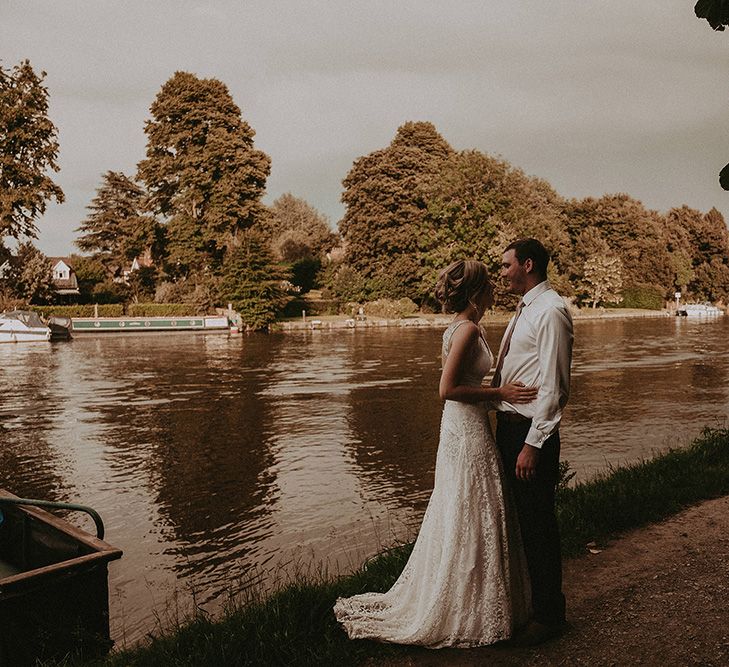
pixel 193 218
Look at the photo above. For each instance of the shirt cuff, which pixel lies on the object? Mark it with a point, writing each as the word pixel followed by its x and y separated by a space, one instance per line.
pixel 535 438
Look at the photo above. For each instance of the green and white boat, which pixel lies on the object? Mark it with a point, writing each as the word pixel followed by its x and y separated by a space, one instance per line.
pixel 205 324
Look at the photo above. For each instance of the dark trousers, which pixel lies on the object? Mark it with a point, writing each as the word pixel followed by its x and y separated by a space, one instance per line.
pixel 537 519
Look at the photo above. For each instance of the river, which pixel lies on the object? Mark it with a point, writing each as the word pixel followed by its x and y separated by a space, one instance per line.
pixel 224 462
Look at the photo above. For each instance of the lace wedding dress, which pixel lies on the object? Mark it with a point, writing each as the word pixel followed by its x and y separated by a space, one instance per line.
pixel 466 582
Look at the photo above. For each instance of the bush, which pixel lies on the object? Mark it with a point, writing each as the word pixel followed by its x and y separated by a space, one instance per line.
pixel 649 297
pixel 391 308
pixel 84 310
pixel 162 310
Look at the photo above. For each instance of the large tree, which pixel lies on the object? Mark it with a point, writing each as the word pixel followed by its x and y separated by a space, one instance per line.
pixel 117 228
pixel 385 210
pixel 478 205
pixel 28 150
pixel 296 230
pixel 202 172
pixel 634 233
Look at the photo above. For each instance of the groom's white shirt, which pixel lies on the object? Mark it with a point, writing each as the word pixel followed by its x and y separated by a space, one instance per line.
pixel 540 354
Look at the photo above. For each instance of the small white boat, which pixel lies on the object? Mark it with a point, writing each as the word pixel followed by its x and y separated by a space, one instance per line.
pixel 22 326
pixel 699 310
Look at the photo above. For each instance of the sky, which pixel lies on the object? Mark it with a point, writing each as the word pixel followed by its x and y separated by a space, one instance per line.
pixel 594 97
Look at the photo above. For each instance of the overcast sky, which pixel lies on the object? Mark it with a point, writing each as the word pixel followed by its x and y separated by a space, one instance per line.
pixel 595 97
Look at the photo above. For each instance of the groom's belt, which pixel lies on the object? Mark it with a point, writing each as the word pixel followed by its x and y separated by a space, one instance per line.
pixel 512 417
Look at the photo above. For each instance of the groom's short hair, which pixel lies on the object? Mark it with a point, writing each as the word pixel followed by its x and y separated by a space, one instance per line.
pixel 533 249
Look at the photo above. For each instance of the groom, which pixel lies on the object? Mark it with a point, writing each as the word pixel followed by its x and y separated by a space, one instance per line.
pixel 536 350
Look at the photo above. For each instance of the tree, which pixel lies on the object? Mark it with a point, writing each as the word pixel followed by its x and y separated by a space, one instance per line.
pixel 28 149
pixel 251 281
pixel 632 232
pixel 478 205
pixel 117 228
pixel 603 278
pixel 202 172
pixel 31 275
pixel 296 230
pixel 716 12
pixel 385 210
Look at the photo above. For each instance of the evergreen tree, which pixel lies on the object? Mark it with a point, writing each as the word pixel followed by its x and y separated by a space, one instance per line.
pixel 201 171
pixel 28 149
pixel 252 282
pixel 117 228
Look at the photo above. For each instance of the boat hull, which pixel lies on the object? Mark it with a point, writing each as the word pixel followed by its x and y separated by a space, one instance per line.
pixel 91 325
pixel 54 596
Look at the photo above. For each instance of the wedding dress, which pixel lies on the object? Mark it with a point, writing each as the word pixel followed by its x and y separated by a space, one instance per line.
pixel 466 582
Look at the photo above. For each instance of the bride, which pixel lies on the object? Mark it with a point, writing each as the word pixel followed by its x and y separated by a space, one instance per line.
pixel 466 582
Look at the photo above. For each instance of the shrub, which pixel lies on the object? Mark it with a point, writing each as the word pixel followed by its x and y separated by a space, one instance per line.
pixel 161 310
pixel 649 297
pixel 391 308
pixel 82 310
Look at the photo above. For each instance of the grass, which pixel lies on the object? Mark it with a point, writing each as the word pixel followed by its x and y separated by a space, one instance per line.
pixel 295 626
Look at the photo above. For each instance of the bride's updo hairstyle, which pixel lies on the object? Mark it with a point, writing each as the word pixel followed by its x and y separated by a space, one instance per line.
pixel 459 283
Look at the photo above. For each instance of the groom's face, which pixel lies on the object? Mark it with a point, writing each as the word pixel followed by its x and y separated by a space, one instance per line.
pixel 513 273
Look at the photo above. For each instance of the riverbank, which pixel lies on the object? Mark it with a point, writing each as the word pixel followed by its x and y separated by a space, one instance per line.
pixel 296 626
pixel 439 320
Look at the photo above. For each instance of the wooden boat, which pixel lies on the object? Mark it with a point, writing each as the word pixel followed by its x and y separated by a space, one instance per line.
pixel 54 597
pixel 206 324
pixel 22 326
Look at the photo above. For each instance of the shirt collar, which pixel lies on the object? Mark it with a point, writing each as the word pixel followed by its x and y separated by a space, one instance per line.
pixel 535 291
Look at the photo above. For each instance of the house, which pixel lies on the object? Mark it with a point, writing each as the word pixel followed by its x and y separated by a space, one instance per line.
pixel 64 277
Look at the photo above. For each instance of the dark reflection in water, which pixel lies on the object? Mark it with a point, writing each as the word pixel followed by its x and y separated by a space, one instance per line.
pixel 217 461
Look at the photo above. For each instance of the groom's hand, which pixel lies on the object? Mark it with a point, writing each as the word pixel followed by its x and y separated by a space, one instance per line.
pixel 526 463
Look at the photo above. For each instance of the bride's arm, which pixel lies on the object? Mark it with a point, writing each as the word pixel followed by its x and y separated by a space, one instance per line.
pixel 464 344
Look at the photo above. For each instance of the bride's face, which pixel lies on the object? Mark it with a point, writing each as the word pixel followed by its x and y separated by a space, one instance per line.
pixel 483 302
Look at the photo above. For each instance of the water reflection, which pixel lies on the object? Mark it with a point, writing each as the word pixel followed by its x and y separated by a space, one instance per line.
pixel 219 460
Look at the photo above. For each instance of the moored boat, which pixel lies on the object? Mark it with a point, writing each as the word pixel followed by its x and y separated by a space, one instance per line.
pixel 699 310
pixel 22 326
pixel 206 324
pixel 54 596
pixel 61 327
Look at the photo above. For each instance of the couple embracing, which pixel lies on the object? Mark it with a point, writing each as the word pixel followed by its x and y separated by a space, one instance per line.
pixel 486 564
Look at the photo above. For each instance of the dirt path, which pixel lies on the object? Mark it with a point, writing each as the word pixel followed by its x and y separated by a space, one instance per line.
pixel 657 596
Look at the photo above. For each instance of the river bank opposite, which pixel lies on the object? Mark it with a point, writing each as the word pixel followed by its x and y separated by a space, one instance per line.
pixel 443 320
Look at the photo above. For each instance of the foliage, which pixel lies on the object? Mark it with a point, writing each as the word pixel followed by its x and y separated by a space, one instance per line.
pixel 699 253
pixel 385 210
pixel 161 310
pixel 716 12
pixel 649 297
pixel 141 283
pixel 391 308
pixel 89 273
pixel 251 281
pixel 83 310
pixel 477 206
pixel 28 150
pixel 117 228
pixel 109 291
pixel 633 233
pixel 305 272
pixel 30 276
pixel 295 230
pixel 344 283
pixel 603 279
pixel 202 173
